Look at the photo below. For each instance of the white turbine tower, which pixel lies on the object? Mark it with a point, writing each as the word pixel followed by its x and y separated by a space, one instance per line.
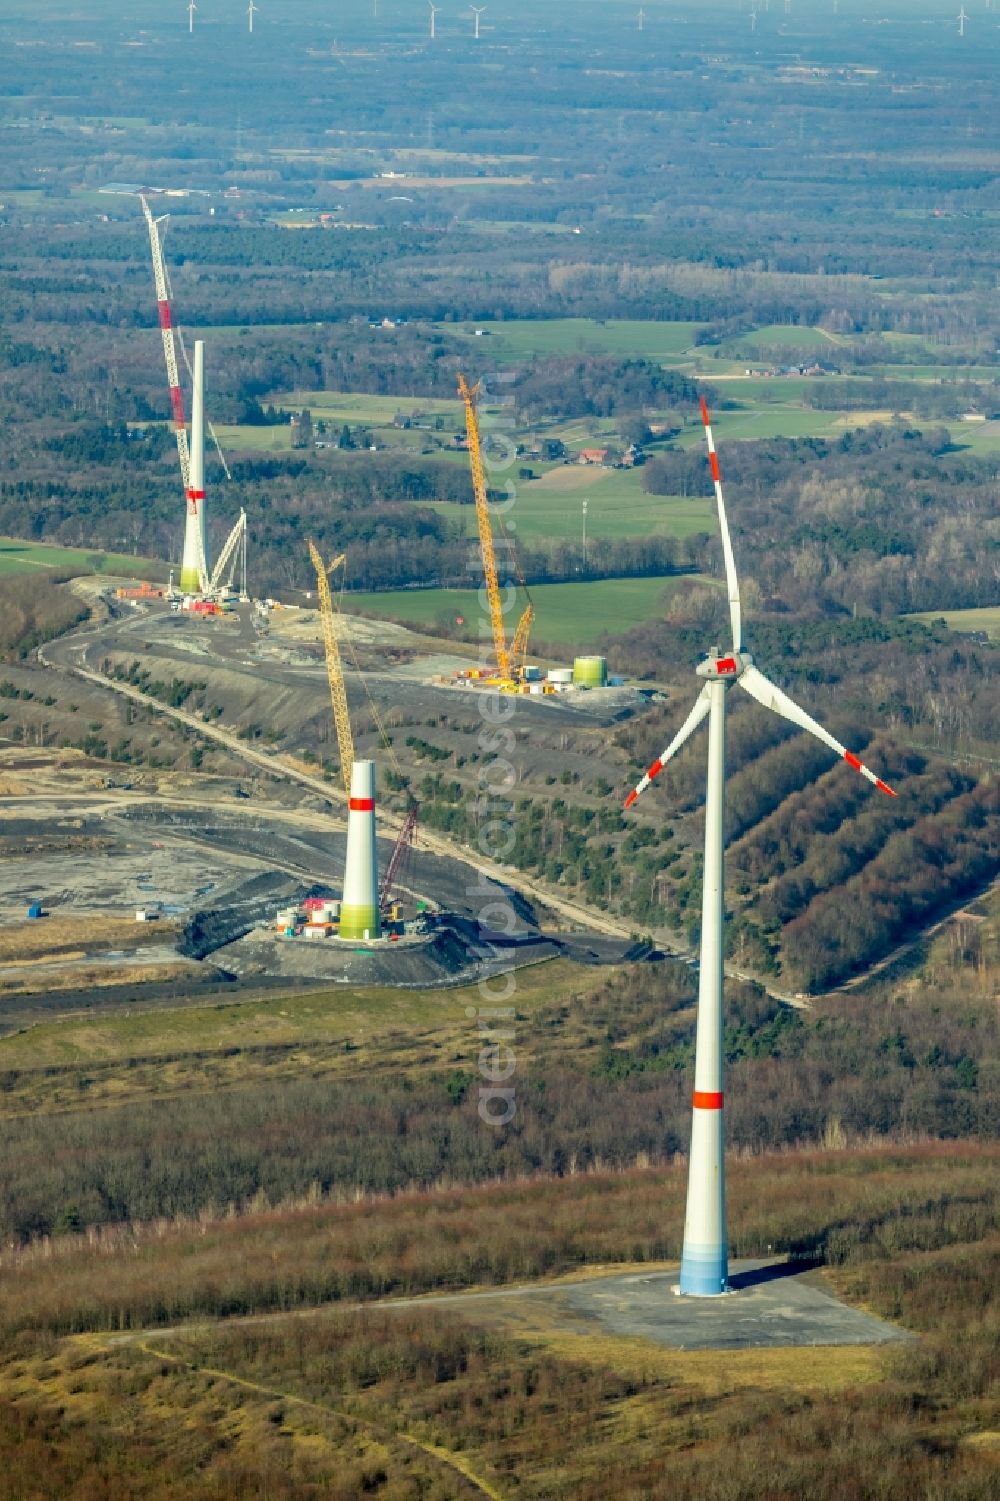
pixel 961 18
pixel 433 10
pixel 641 19
pixel 191 10
pixel 705 1259
pixel 477 11
pixel 251 9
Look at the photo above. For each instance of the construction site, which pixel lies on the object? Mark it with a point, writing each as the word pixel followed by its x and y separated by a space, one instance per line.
pixel 305 856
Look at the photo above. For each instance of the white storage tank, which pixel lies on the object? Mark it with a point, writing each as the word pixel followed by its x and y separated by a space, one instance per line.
pixel 561 675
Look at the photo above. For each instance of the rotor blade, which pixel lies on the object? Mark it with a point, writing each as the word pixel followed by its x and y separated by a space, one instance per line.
pixel 732 585
pixel 694 719
pixel 766 693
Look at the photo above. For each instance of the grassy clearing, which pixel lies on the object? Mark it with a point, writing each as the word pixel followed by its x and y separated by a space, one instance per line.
pixel 981 438
pixel 576 615
pixel 550 508
pixel 986 620
pixel 782 336
pixel 18 556
pixel 772 421
pixel 346 1031
pixel 521 339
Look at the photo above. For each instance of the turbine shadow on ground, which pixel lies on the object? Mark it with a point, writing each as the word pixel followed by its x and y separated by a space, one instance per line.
pixel 757 1276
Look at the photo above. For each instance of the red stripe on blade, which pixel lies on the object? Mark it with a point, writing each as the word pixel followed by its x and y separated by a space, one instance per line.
pixel 655 769
pixel 361 804
pixel 852 760
pixel 884 787
pixel 713 459
pixel 631 798
pixel 704 410
pixel 704 1099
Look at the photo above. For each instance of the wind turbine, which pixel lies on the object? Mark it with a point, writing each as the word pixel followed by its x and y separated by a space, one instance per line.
pixel 434 10
pixel 191 10
pixel 477 11
pixel 641 18
pixel 705 1259
pixel 753 19
pixel 961 18
pixel 250 14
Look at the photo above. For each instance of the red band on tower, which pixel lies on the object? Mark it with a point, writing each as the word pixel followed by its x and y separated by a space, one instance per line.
pixel 704 1099
pixel 361 804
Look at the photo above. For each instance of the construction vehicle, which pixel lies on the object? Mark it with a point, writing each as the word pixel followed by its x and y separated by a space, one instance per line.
pixel 508 673
pixel 328 614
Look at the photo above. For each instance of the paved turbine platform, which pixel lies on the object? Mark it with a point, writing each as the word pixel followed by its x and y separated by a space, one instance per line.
pixel 772 1304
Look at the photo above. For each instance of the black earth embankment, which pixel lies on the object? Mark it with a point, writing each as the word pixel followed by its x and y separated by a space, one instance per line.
pixel 252 903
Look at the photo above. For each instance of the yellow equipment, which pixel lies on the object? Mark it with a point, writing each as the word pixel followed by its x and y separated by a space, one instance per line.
pixel 507 675
pixel 519 645
pixel 334 666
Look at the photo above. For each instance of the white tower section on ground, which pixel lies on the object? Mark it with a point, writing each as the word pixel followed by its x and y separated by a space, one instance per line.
pixel 194 563
pixel 359 910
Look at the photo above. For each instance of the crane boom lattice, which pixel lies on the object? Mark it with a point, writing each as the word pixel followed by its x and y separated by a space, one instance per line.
pixel 169 349
pixel 334 665
pixel 485 530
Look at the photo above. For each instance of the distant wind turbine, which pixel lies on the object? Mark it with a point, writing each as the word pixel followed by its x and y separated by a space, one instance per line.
pixel 250 14
pixel 962 18
pixel 191 10
pixel 753 19
pixel 477 11
pixel 434 10
pixel 641 18
pixel 705 1259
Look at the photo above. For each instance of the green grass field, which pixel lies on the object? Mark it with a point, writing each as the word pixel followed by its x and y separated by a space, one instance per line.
pixel 986 619
pixel 551 508
pixel 23 557
pixel 774 421
pixel 784 336
pixel 522 339
pixel 566 614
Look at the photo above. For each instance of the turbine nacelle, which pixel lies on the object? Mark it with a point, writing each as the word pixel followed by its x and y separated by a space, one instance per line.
pixel 730 665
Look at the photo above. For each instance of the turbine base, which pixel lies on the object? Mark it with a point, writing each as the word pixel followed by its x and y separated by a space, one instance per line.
pixel 704 1272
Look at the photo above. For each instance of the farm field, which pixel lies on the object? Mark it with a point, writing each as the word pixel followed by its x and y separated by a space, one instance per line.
pixel 523 338
pixel 784 421
pixel 18 556
pixel 550 508
pixel 574 615
pixel 986 620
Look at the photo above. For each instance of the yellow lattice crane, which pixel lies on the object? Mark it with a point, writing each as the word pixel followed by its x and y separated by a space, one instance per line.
pixel 485 530
pixel 334 666
pixel 519 645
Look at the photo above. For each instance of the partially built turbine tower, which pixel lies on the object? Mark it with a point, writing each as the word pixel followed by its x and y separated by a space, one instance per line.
pixel 194 561
pixel 359 910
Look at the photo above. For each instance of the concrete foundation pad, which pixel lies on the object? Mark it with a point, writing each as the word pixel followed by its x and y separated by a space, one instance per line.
pixel 771 1303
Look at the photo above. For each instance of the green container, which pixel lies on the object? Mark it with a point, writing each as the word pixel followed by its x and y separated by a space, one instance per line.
pixel 590 672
